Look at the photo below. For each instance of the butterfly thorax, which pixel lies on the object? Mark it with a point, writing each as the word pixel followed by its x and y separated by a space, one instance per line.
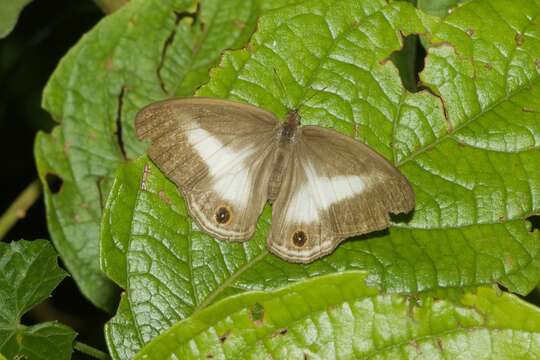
pixel 289 127
pixel 286 137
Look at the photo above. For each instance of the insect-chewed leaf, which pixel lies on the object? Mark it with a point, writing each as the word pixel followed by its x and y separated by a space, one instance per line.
pixel 473 167
pixel 336 316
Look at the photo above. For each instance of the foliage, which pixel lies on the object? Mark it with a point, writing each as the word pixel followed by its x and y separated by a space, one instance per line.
pixel 28 274
pixel 466 133
pixel 9 14
pixel 469 227
pixel 337 316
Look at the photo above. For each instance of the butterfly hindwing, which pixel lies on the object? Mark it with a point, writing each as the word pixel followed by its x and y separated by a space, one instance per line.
pixel 218 152
pixel 334 188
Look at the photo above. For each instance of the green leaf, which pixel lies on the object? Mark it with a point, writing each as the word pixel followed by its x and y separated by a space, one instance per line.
pixel 9 14
pixel 337 316
pixel 473 194
pixel 28 274
pixel 437 7
pixel 146 51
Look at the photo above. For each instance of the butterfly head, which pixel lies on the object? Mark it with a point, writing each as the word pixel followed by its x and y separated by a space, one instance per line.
pixel 290 125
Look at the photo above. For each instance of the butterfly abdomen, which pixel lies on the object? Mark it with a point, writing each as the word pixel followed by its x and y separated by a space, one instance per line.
pixel 285 138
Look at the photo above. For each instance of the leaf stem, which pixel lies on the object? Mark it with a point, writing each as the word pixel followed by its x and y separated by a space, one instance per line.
pixel 19 207
pixel 90 351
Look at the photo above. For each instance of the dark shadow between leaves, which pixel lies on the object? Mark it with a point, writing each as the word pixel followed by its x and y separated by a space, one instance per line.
pixel 395 218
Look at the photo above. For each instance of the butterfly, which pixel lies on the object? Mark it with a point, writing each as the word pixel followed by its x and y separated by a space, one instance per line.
pixel 228 159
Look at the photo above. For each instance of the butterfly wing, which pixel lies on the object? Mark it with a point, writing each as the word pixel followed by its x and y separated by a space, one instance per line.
pixel 335 188
pixel 217 152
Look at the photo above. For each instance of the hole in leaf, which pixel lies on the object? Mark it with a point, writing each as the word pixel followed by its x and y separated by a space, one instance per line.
pixel 535 222
pixel 257 313
pixel 54 182
pixel 409 61
pixel 194 20
pixel 118 122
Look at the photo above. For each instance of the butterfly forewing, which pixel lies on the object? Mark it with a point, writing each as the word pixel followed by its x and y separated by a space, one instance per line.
pixel 335 188
pixel 218 152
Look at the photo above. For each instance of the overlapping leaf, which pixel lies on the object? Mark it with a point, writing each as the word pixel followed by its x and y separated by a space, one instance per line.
pixel 28 274
pixel 337 316
pixel 475 184
pixel 146 51
pixel 11 10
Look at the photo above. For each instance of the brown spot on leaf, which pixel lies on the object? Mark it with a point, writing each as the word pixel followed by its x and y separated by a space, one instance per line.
pixel 416 346
pixel 470 32
pixel 256 314
pixel 519 39
pixel 280 332
pixel 528 109
pixel 109 64
pixel 164 197
pixel 440 344
pixel 537 62
pixel 239 24
pixel 225 336
pixel 488 66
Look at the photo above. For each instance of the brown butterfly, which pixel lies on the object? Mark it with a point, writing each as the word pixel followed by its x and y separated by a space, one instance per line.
pixel 229 159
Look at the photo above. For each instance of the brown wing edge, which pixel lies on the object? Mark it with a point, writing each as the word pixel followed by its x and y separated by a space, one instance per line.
pixel 409 205
pixel 147 129
pixel 400 201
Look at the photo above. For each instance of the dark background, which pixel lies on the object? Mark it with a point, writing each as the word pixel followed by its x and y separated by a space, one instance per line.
pixel 44 33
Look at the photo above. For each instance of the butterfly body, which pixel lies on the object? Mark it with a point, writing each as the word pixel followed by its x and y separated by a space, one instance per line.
pixel 229 159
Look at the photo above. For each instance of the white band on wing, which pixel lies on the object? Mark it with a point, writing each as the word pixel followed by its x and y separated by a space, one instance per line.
pixel 319 193
pixel 226 166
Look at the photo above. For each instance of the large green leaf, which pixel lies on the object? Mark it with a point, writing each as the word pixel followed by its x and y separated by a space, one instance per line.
pixel 146 51
pixel 28 274
pixel 11 10
pixel 338 317
pixel 474 170
pixel 437 7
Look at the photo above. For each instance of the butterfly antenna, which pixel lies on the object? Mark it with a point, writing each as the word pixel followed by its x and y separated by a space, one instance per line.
pixel 282 89
pixel 315 92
